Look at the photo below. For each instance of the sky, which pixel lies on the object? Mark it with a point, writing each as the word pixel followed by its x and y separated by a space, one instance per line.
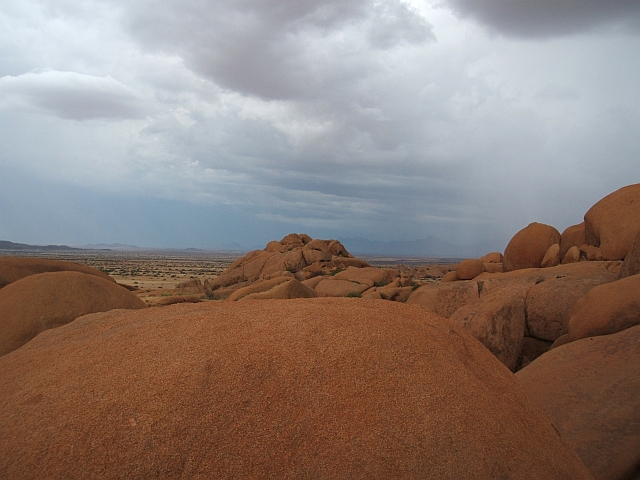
pixel 196 124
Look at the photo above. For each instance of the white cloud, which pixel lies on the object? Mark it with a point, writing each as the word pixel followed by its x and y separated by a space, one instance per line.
pixel 72 95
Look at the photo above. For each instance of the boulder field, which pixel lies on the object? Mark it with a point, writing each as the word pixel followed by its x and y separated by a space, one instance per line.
pixel 313 388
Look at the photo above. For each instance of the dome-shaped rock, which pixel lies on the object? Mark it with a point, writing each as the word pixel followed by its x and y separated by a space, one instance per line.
pixel 314 388
pixel 47 300
pixel 15 268
pixel 527 247
pixel 606 309
pixel 572 236
pixel 614 222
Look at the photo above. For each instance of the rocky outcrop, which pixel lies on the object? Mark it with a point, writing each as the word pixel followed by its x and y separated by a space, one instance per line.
pixel 589 388
pixel 314 388
pixel 528 247
pixel 47 300
pixel 296 254
pixel 15 268
pixel 613 223
pixel 606 309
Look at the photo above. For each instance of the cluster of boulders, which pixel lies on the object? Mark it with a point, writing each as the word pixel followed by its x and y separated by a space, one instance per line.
pixel 563 311
pixel 39 294
pixel 301 267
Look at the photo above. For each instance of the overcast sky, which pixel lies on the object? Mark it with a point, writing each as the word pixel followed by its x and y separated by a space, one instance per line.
pixel 193 124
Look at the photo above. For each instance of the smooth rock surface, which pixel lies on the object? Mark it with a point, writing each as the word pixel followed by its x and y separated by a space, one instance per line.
pixel 315 388
pixel 606 309
pixel 613 223
pixel 590 388
pixel 527 247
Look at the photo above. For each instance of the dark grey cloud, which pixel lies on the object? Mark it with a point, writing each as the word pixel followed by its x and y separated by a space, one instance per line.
pixel 275 50
pixel 71 95
pixel 550 18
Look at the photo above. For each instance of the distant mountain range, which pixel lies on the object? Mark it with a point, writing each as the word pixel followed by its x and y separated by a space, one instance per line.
pixel 429 247
pixel 5 245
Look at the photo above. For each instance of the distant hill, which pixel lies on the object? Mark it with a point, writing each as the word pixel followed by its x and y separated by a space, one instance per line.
pixel 425 247
pixel 111 246
pixel 6 245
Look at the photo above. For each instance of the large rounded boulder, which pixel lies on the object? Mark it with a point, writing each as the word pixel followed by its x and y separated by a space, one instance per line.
pixel 15 268
pixel 47 300
pixel 590 389
pixel 614 222
pixel 315 388
pixel 606 309
pixel 528 247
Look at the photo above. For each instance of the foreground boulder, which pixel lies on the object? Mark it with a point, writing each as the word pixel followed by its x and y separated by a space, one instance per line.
pixel 47 300
pixel 15 268
pixel 528 247
pixel 613 223
pixel 317 388
pixel 590 388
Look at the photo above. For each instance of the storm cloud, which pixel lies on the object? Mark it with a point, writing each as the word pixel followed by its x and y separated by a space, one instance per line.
pixel 550 18
pixel 385 119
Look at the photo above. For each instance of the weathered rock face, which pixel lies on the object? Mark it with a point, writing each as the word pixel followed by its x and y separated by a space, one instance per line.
pixel 549 303
pixel 469 269
pixel 528 247
pixel 572 236
pixel 631 264
pixel 498 323
pixel 47 300
pixel 589 388
pixel 445 298
pixel 320 388
pixel 15 268
pixel 613 223
pixel 606 309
